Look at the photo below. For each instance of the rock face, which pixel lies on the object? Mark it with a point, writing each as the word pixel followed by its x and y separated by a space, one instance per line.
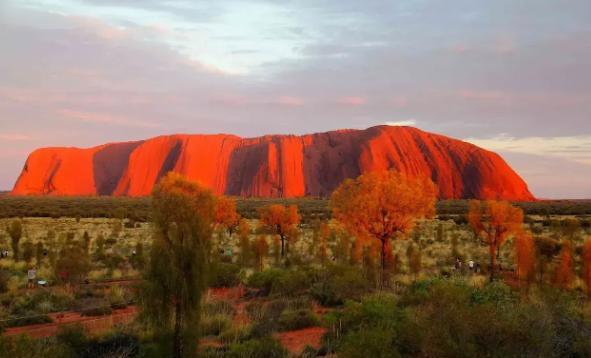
pixel 273 165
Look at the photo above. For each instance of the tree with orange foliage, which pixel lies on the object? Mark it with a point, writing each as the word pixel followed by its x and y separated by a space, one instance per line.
pixel 382 205
pixel 226 215
pixel 244 241
pixel 525 256
pixel 261 249
pixel 564 272
pixel 280 220
pixel 323 235
pixel 587 265
pixel 493 222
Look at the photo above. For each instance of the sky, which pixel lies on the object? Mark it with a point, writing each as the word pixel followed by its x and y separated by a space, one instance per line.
pixel 513 76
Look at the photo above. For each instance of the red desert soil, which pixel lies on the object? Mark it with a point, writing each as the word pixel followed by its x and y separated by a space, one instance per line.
pixel 92 324
pixel 273 165
pixel 296 341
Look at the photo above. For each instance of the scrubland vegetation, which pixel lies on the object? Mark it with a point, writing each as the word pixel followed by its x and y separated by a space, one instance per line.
pixel 365 276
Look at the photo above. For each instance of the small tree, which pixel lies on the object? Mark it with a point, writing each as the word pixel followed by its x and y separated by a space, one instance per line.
pixel 99 249
pixel 546 249
pixel 587 265
pixel 183 214
pixel 15 231
pixel 261 250
pixel 244 242
pixel 324 233
pixel 138 258
pixel 525 256
pixel 226 216
pixel 39 252
pixel 277 250
pixel 414 257
pixel 280 220
pixel 493 223
pixel 72 264
pixel 564 272
pixel 28 251
pixel 383 205
pixel 86 242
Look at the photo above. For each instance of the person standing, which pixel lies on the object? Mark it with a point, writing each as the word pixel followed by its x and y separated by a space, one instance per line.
pixel 31 275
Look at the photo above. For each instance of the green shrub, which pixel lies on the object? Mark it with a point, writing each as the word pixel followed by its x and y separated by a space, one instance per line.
pixel 292 320
pixel 375 342
pixel 255 310
pixel 4 277
pixel 258 348
pixel 96 311
pixel 39 301
pixel 264 280
pixel 73 336
pixel 218 307
pixel 291 283
pixel 214 325
pixel 269 317
pixel 224 275
pixel 29 318
pixel 376 320
pixel 339 283
pixel 25 347
pixel 496 292
pixel 234 334
pixel 117 297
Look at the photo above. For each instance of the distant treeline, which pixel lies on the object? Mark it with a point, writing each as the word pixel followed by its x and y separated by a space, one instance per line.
pixel 138 209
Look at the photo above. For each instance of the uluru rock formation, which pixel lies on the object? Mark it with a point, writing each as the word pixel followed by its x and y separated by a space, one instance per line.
pixel 272 165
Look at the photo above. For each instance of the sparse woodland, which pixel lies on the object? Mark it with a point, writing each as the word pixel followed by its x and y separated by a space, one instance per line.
pixel 379 270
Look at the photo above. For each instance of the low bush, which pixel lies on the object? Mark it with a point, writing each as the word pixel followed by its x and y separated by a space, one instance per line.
pixel 24 346
pixel 40 301
pixel 451 318
pixel 258 348
pixel 292 320
pixel 339 283
pixel 281 282
pixel 28 319
pixel 96 311
pixel 224 275
pixel 264 280
pixel 234 334
pixel 113 344
pixel 215 325
pixel 218 307
pixel 117 297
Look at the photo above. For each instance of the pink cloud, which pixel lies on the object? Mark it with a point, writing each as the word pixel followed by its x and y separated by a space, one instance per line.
pixel 290 101
pixel 352 101
pixel 100 28
pixel 31 96
pixel 105 118
pixel 399 101
pixel 230 100
pixel 15 137
pixel 460 48
pixel 505 46
pixel 483 95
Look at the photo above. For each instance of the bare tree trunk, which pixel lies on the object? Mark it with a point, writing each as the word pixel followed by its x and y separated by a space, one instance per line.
pixel 282 246
pixel 493 262
pixel 177 340
pixel 383 264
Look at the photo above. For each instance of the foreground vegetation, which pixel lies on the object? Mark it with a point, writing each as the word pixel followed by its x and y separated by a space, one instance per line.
pixel 378 280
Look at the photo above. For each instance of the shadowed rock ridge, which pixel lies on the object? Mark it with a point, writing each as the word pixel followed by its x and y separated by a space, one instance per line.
pixel 272 165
